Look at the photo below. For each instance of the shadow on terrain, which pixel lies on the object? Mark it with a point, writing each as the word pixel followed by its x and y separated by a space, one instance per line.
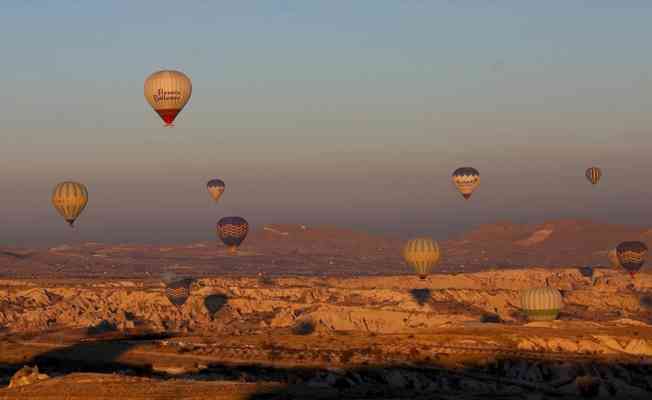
pixel 421 296
pixel 303 327
pixel 95 356
pixel 102 327
pixel 505 379
pixel 178 291
pixel 496 377
pixel 214 303
pixel 100 356
pixel 646 302
pixel 19 256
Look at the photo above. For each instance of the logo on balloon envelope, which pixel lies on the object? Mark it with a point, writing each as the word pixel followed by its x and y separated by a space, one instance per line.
pixel 163 95
pixel 167 92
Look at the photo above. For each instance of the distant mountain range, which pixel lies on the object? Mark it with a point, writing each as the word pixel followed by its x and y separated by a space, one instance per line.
pixel 305 250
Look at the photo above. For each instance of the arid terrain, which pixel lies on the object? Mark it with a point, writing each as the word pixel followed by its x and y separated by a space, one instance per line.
pixel 324 313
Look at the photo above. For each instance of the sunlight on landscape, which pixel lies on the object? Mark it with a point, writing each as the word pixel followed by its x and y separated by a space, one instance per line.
pixel 325 200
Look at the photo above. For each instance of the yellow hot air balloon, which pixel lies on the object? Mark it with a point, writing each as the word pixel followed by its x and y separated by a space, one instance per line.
pixel 422 254
pixel 70 199
pixel 168 92
pixel 593 174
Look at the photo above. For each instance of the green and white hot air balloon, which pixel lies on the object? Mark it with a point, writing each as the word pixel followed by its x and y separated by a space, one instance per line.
pixel 541 304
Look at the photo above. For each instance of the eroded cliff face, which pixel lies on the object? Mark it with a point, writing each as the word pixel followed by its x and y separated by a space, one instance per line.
pixel 365 337
pixel 382 305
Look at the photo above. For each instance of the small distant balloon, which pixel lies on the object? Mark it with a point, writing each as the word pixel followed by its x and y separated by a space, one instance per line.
pixel 422 254
pixel 466 179
pixel 593 174
pixel 215 188
pixel 232 231
pixel 168 93
pixel 631 256
pixel 586 272
pixel 178 291
pixel 69 199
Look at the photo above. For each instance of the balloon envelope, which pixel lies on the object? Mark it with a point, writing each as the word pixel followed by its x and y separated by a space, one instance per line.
pixel 69 199
pixel 178 291
pixel 232 231
pixel 631 255
pixel 593 174
pixel 466 179
pixel 541 304
pixel 215 188
pixel 422 254
pixel 586 272
pixel 168 92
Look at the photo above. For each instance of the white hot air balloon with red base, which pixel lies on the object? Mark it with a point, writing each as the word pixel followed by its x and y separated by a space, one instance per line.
pixel 168 92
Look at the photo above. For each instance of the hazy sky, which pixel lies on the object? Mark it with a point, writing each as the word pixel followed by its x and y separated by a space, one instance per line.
pixel 352 113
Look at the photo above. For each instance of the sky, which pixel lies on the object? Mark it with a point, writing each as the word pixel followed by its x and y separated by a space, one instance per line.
pixel 337 112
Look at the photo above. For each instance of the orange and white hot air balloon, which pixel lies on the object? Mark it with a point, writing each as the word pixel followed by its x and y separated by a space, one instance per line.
pixel 69 199
pixel 168 92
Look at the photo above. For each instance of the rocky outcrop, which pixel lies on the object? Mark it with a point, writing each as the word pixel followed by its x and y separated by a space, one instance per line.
pixel 374 304
pixel 26 376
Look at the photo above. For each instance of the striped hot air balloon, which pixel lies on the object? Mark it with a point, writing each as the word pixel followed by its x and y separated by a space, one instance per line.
pixel 631 256
pixel 168 92
pixel 466 179
pixel 541 304
pixel 422 254
pixel 593 174
pixel 232 231
pixel 586 272
pixel 215 188
pixel 178 291
pixel 69 199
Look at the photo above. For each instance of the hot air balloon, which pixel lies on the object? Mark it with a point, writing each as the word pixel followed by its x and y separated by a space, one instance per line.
pixel 215 188
pixel 613 259
pixel 541 304
pixel 631 256
pixel 586 272
pixel 466 179
pixel 422 254
pixel 178 291
pixel 70 199
pixel 232 231
pixel 168 92
pixel 593 174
